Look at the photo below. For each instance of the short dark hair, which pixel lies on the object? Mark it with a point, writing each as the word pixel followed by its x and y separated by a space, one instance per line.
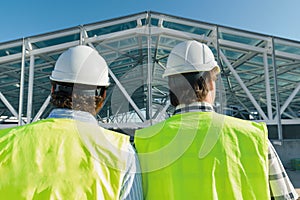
pixel 190 87
pixel 76 97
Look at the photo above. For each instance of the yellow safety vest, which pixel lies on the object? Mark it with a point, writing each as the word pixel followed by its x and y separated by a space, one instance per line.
pixel 204 155
pixel 62 159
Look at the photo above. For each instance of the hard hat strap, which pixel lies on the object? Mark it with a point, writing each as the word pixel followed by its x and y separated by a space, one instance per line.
pixel 69 89
pixel 100 91
pixel 63 88
pixel 85 92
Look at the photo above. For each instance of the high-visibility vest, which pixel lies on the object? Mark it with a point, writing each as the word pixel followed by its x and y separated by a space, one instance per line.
pixel 62 159
pixel 204 155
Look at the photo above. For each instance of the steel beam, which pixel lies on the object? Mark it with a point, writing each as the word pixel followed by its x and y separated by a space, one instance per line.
pixel 268 90
pixel 149 114
pixel 42 109
pixel 239 80
pixel 30 88
pixel 22 84
pixel 8 105
pixel 289 99
pixel 279 127
pixel 129 99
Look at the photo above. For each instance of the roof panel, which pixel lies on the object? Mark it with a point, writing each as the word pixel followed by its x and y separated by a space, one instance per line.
pixel 239 39
pixel 56 41
pixel 112 28
pixel 185 28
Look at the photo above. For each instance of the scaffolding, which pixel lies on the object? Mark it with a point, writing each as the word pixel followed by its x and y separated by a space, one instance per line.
pixel 260 74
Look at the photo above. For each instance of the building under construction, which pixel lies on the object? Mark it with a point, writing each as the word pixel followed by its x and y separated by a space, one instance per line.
pixel 260 74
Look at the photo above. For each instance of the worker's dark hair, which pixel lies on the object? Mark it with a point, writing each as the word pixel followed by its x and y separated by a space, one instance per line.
pixel 190 87
pixel 76 96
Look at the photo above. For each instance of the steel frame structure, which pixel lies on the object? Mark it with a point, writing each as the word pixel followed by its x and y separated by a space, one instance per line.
pixel 260 78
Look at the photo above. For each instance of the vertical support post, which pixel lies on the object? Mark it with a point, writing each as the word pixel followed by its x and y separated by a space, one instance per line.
pixel 22 83
pixel 149 74
pixel 30 89
pixel 279 126
pixel 221 110
pixel 268 90
pixel 81 39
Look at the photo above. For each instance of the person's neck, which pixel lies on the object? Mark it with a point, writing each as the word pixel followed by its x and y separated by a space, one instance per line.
pixel 208 99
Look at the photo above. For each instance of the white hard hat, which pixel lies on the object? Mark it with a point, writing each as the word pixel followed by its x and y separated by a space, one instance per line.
pixel 190 56
pixel 83 65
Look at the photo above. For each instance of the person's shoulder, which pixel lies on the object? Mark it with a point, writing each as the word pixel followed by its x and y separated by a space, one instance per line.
pixel 117 143
pixel 243 124
pixel 6 131
pixel 152 129
pixel 25 126
pixel 115 135
pixel 40 131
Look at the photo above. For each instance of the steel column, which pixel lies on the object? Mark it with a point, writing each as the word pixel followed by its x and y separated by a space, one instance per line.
pixel 149 72
pixel 268 90
pixel 220 82
pixel 22 84
pixel 30 88
pixel 279 127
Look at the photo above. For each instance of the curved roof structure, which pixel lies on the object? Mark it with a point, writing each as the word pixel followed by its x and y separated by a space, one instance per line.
pixel 260 78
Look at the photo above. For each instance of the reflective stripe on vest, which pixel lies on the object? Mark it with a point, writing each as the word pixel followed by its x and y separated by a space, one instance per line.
pixel 204 155
pixel 61 159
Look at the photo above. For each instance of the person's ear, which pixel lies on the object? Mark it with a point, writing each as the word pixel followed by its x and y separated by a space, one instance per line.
pixel 100 103
pixel 211 84
pixel 52 89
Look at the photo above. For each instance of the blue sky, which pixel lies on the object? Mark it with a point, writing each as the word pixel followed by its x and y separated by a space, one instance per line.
pixel 27 18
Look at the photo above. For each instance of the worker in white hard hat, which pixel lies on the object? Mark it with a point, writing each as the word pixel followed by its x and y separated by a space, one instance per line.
pixel 200 154
pixel 68 155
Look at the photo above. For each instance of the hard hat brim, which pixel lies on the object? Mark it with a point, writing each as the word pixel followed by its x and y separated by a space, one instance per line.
pixel 191 68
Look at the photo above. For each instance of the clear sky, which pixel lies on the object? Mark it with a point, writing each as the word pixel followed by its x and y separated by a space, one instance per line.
pixel 26 18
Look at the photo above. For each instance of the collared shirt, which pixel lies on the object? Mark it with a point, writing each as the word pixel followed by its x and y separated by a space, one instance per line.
pixel 280 184
pixel 132 183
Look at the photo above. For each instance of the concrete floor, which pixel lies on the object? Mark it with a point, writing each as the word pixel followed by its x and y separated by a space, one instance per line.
pixel 295 179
